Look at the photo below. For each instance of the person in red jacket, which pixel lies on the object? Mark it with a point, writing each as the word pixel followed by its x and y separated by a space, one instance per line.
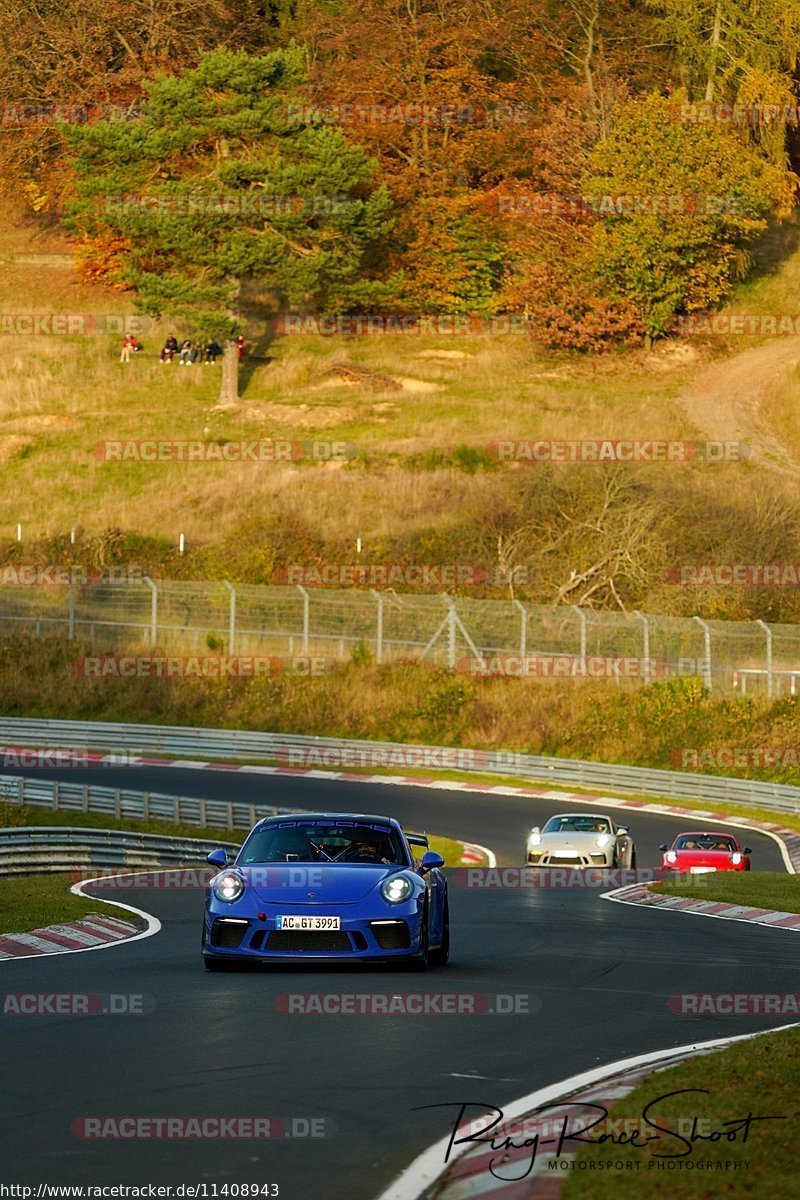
pixel 240 345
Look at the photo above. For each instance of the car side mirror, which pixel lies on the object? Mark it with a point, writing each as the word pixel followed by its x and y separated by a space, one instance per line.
pixel 663 846
pixel 622 831
pixel 218 858
pixel 747 850
pixel 430 860
pixel 536 829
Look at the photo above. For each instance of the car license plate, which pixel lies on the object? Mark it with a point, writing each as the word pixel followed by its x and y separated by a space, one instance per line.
pixel 313 923
pixel 701 870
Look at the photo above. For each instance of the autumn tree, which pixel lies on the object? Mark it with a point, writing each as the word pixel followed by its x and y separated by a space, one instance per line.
pixel 88 58
pixel 735 51
pixel 677 205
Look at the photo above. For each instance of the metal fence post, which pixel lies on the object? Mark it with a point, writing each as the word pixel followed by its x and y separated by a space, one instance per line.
pixel 768 633
pixel 71 617
pixel 707 647
pixel 304 594
pixel 451 630
pixel 645 643
pixel 231 615
pixel 582 620
pixel 523 628
pixel 153 610
pixel 378 625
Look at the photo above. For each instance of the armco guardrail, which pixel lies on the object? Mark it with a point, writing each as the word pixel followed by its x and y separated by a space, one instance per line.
pixel 298 750
pixel 34 849
pixel 140 806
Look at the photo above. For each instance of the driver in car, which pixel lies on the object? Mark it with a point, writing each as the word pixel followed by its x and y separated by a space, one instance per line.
pixel 364 850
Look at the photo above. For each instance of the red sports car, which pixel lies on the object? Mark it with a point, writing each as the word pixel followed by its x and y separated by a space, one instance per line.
pixel 699 853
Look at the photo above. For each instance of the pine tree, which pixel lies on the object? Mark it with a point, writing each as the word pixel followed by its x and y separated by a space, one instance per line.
pixel 220 180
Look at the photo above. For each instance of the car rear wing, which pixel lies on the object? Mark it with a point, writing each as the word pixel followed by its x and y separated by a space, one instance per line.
pixel 418 839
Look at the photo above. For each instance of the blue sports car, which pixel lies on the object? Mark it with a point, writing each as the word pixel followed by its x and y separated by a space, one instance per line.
pixel 324 887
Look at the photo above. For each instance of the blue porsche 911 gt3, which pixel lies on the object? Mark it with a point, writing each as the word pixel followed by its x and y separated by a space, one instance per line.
pixel 327 887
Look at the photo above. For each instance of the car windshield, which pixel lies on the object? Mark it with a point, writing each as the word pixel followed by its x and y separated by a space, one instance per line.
pixel 705 841
pixel 324 842
pixel 577 824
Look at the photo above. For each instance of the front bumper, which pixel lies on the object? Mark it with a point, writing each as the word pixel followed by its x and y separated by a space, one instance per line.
pixel 548 858
pixel 359 938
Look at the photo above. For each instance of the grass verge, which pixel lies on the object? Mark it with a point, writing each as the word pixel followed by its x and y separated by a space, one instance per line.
pixel 758 1076
pixel 761 889
pixel 34 901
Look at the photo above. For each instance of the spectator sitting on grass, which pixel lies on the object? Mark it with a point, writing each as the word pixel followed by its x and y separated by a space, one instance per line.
pixel 213 351
pixel 185 355
pixel 170 347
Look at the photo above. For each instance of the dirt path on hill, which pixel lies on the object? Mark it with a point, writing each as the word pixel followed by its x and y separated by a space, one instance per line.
pixel 725 400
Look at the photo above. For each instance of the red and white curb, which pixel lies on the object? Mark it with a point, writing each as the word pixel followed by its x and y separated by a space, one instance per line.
pixel 92 931
pixel 639 893
pixel 478 1171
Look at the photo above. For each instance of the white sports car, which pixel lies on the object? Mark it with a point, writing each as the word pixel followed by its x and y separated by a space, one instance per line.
pixel 581 840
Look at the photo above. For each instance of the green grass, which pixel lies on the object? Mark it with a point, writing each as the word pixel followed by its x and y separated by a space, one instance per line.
pixel 757 1076
pixel 34 901
pixel 761 889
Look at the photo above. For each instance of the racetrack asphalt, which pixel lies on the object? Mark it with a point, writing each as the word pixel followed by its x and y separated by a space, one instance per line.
pixel 595 977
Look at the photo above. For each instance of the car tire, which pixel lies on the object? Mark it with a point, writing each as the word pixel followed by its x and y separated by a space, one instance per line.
pixel 439 957
pixel 633 858
pixel 421 961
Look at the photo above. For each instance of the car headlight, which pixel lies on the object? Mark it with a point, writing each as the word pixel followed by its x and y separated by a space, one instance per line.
pixel 736 858
pixel 603 840
pixel 534 839
pixel 396 889
pixel 671 856
pixel 228 887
